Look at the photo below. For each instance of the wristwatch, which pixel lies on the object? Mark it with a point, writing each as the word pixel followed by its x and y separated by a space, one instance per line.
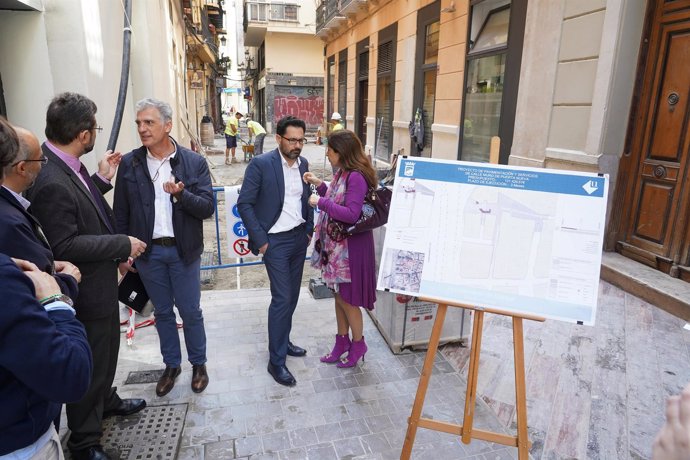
pixel 57 298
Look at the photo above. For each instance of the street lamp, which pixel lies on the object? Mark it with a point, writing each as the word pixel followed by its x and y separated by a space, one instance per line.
pixel 246 66
pixel 223 40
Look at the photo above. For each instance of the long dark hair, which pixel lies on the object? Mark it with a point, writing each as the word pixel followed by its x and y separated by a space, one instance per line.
pixel 346 144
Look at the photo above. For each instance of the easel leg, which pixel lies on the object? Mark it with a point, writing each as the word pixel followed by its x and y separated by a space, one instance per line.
pixel 473 372
pixel 423 382
pixel 520 390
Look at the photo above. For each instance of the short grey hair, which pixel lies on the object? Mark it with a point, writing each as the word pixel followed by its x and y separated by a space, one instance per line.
pixel 163 108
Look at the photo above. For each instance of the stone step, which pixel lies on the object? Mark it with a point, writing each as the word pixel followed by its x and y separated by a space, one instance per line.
pixel 653 286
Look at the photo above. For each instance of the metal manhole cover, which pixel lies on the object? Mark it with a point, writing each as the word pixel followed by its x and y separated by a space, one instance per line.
pixel 153 433
pixel 144 376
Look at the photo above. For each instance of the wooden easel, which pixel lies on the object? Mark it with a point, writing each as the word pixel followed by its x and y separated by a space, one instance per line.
pixel 466 430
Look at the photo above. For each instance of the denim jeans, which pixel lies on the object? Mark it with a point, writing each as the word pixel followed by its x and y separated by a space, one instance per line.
pixel 169 282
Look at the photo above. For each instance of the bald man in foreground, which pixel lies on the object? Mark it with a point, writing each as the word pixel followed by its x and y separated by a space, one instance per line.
pixel 21 236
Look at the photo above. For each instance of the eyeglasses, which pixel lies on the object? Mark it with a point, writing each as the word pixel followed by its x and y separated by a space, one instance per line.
pixel 43 160
pixel 97 128
pixel 294 141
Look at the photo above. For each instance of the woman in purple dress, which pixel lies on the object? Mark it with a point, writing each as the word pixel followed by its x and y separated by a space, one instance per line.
pixel 347 265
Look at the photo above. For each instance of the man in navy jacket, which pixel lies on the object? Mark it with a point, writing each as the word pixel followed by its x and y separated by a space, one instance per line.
pixel 163 193
pixel 273 204
pixel 45 358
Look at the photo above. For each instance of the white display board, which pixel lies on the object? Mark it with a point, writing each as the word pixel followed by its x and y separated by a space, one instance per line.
pixel 523 240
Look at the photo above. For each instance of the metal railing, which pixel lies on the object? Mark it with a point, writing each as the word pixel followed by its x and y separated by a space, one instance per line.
pixel 325 11
pixel 258 11
pixel 320 16
pixel 219 253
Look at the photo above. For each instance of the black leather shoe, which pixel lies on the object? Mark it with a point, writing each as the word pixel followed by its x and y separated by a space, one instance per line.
pixel 167 380
pixel 199 378
pixel 91 453
pixel 126 407
pixel 282 375
pixel 294 350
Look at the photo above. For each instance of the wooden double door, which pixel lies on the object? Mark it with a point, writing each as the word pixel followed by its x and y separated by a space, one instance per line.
pixel 654 174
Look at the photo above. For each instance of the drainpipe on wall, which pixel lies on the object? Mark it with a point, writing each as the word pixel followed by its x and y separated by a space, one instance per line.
pixel 124 76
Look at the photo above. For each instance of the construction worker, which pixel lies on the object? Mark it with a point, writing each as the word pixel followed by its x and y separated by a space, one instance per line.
pixel 231 134
pixel 336 122
pixel 258 133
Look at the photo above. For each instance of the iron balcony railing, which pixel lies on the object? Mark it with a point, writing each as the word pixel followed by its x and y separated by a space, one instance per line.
pixel 327 10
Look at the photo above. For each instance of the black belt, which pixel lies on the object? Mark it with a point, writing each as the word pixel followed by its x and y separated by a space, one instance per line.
pixel 165 241
pixel 300 227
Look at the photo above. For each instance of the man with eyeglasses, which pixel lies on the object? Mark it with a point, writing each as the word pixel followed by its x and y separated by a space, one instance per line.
pixel 21 235
pixel 273 204
pixel 80 227
pixel 44 357
pixel 162 196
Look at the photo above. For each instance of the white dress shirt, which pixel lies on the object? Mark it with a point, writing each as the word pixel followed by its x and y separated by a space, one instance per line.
pixel 291 214
pixel 161 172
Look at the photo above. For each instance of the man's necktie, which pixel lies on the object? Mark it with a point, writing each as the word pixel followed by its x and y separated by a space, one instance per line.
pixel 96 194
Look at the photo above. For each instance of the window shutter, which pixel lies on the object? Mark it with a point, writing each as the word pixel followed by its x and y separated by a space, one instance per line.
pixel 363 66
pixel 385 62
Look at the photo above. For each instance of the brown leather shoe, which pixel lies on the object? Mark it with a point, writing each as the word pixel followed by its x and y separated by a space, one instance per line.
pixel 167 380
pixel 199 378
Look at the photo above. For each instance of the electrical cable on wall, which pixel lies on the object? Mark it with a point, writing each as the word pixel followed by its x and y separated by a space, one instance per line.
pixel 124 76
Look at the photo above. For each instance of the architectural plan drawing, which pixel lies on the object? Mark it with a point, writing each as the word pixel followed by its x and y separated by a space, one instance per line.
pixel 519 239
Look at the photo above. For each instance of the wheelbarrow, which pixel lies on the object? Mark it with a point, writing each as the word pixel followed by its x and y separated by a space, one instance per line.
pixel 247 149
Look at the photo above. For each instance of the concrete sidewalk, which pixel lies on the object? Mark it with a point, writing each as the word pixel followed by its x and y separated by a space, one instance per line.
pixel 332 413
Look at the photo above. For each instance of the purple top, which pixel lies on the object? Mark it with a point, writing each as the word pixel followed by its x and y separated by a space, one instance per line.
pixel 354 199
pixel 361 290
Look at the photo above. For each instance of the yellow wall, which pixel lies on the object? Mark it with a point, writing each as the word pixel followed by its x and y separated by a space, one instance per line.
pixel 297 54
pixel 449 83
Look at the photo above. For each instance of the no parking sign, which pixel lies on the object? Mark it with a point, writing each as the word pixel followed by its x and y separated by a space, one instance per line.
pixel 237 234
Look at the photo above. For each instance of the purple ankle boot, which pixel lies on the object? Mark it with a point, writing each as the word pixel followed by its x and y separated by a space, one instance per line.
pixel 357 350
pixel 342 344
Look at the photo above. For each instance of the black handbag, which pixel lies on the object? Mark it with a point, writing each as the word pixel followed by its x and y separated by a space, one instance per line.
pixel 131 292
pixel 375 211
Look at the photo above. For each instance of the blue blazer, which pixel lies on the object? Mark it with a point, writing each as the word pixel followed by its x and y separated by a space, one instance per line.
pixel 21 236
pixel 45 360
pixel 262 196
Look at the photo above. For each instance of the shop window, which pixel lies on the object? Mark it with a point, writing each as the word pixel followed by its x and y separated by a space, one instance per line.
pixel 494 53
pixel 428 27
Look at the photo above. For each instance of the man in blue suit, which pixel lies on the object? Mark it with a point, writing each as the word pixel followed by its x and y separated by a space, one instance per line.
pixel 21 235
pixel 273 204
